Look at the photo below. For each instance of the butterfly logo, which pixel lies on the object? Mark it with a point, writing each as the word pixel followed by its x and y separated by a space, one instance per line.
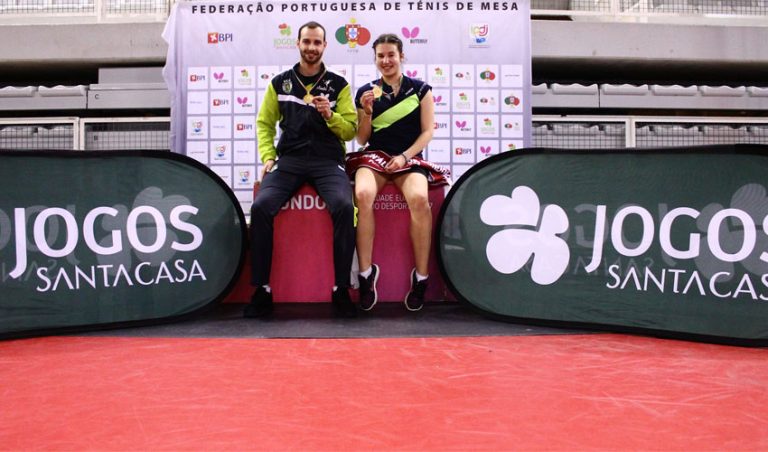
pixel 411 73
pixel 413 33
pixel 218 75
pixel 242 100
pixel 438 99
pixel 485 149
pixel 461 124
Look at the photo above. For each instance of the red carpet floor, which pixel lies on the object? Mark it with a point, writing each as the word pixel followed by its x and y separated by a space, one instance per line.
pixel 566 392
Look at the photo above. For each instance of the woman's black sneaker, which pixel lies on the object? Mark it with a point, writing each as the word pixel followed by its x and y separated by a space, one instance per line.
pixel 367 290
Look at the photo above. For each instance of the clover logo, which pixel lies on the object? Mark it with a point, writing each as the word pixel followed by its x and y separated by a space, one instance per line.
pixel 510 249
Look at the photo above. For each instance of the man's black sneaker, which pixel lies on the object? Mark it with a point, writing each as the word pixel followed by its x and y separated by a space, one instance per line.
pixel 414 301
pixel 261 304
pixel 368 294
pixel 342 303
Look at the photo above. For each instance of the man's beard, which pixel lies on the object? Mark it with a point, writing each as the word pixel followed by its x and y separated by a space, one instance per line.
pixel 311 58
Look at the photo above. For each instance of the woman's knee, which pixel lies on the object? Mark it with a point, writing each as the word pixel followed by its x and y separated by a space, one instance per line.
pixel 365 196
pixel 418 202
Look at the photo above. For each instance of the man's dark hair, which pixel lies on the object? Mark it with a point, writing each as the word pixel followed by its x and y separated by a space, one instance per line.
pixel 388 38
pixel 311 24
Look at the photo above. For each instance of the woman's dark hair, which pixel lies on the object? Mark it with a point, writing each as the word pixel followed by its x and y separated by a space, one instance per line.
pixel 388 38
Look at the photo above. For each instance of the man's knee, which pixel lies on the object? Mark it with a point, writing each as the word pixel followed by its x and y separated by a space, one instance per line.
pixel 262 207
pixel 341 205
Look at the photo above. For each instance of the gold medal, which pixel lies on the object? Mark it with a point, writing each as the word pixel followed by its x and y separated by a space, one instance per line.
pixel 377 91
pixel 308 97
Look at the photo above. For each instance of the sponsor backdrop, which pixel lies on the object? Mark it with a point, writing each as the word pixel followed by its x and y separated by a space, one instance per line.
pixel 91 249
pixel 673 242
pixel 475 55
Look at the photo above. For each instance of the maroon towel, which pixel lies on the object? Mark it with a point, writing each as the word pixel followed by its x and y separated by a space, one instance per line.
pixel 377 160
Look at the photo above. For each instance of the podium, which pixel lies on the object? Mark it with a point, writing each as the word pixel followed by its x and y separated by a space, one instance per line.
pixel 302 257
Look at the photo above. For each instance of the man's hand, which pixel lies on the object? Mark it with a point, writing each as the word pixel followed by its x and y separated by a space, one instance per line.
pixel 323 106
pixel 267 167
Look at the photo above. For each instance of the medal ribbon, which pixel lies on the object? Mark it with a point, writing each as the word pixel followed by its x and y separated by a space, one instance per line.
pixel 308 97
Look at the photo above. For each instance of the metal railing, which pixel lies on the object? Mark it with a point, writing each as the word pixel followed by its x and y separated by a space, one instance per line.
pixel 724 12
pixel 108 134
pixel 83 11
pixel 572 132
pixel 601 132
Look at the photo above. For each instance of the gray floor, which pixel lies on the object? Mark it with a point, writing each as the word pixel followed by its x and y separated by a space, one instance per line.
pixel 315 320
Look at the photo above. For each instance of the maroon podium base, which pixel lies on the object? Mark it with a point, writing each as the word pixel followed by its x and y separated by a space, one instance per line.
pixel 302 262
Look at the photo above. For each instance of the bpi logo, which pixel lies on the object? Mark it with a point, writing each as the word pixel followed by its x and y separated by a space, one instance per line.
pixel 241 126
pixel 441 125
pixel 353 34
pixel 462 151
pixel 220 102
pixel 215 38
pixel 478 33
pixel 526 234
pixel 196 78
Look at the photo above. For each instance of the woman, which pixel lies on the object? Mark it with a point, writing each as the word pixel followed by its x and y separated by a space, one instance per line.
pixel 396 116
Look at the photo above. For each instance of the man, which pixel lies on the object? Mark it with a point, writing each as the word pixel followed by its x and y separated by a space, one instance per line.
pixel 317 115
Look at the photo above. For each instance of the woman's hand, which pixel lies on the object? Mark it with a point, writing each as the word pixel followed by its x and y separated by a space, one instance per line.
pixel 366 100
pixel 396 163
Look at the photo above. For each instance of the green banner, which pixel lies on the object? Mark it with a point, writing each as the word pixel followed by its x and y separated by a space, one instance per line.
pixel 672 242
pixel 101 239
